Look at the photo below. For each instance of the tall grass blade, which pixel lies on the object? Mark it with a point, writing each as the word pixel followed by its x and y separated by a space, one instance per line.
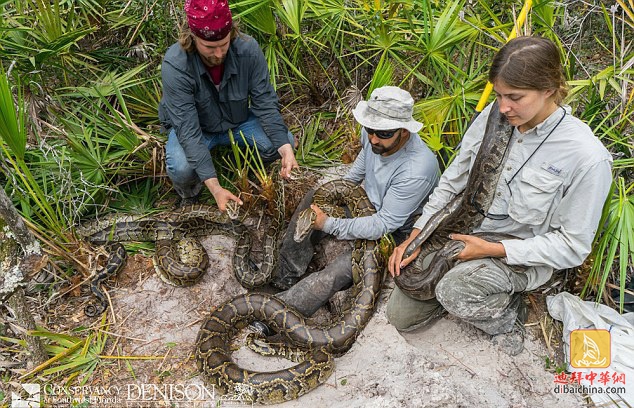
pixel 13 126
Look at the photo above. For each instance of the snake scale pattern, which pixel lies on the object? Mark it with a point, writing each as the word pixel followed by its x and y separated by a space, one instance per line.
pixel 179 258
pixel 461 215
pixel 116 258
pixel 213 350
pixel 312 348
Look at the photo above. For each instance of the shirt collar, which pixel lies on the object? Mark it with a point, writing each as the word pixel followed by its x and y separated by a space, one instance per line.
pixel 231 66
pixel 551 121
pixel 200 67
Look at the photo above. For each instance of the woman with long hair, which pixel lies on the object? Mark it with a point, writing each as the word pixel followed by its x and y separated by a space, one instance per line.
pixel 549 197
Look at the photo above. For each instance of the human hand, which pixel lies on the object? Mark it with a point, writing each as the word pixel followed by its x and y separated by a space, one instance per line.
pixel 396 261
pixel 221 195
pixel 288 160
pixel 478 248
pixel 320 217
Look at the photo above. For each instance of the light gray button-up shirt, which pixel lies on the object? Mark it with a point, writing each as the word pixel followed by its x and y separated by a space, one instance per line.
pixel 397 186
pixel 554 202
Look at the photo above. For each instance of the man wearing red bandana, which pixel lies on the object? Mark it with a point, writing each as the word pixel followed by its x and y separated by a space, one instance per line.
pixel 216 81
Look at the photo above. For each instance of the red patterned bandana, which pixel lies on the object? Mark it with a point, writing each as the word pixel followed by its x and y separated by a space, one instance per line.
pixel 209 19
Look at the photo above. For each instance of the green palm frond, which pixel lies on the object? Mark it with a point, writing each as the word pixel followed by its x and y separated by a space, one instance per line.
pixel 109 84
pixel 13 126
pixel 71 355
pixel 614 245
pixel 383 75
pixel 317 148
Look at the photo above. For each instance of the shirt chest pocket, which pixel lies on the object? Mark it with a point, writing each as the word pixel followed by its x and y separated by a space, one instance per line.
pixel 236 109
pixel 234 99
pixel 209 115
pixel 533 195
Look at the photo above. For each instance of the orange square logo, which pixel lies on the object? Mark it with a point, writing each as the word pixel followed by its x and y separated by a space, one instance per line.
pixel 590 348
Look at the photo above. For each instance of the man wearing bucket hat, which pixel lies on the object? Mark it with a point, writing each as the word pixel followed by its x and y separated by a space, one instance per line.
pixel 398 170
pixel 216 81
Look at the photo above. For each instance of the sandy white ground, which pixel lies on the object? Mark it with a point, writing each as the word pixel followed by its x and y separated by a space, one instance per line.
pixel 448 364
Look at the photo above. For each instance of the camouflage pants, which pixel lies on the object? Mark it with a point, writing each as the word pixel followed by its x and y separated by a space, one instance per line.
pixel 483 292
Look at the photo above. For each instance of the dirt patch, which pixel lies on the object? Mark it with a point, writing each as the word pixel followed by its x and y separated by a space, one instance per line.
pixel 448 364
pixel 153 326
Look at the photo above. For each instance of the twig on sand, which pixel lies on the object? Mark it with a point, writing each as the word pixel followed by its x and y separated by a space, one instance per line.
pixel 473 373
pixel 546 337
pixel 530 383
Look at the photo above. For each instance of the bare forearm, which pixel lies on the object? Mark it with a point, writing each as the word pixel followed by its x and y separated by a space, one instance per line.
pixel 478 248
pixel 213 185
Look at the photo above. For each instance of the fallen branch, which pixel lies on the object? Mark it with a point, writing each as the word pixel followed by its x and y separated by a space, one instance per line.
pixel 22 257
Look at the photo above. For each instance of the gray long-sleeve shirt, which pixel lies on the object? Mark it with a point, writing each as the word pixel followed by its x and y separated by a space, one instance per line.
pixel 397 186
pixel 191 104
pixel 554 202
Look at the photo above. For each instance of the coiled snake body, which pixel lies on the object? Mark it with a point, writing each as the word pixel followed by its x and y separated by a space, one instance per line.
pixel 179 258
pixel 463 213
pixel 213 353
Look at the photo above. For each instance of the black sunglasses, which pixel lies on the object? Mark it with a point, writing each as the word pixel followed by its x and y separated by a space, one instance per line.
pixel 381 134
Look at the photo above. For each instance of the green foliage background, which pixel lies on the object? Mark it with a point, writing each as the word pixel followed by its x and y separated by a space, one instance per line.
pixel 80 86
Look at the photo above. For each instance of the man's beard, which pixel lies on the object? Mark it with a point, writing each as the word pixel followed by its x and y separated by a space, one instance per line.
pixel 213 61
pixel 381 149
pixel 378 149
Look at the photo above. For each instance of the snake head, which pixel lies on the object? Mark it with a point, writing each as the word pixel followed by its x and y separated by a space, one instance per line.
pixel 305 223
pixel 233 210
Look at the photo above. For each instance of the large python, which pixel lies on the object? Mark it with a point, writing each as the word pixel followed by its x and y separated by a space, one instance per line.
pixel 213 350
pixel 179 258
pixel 462 214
